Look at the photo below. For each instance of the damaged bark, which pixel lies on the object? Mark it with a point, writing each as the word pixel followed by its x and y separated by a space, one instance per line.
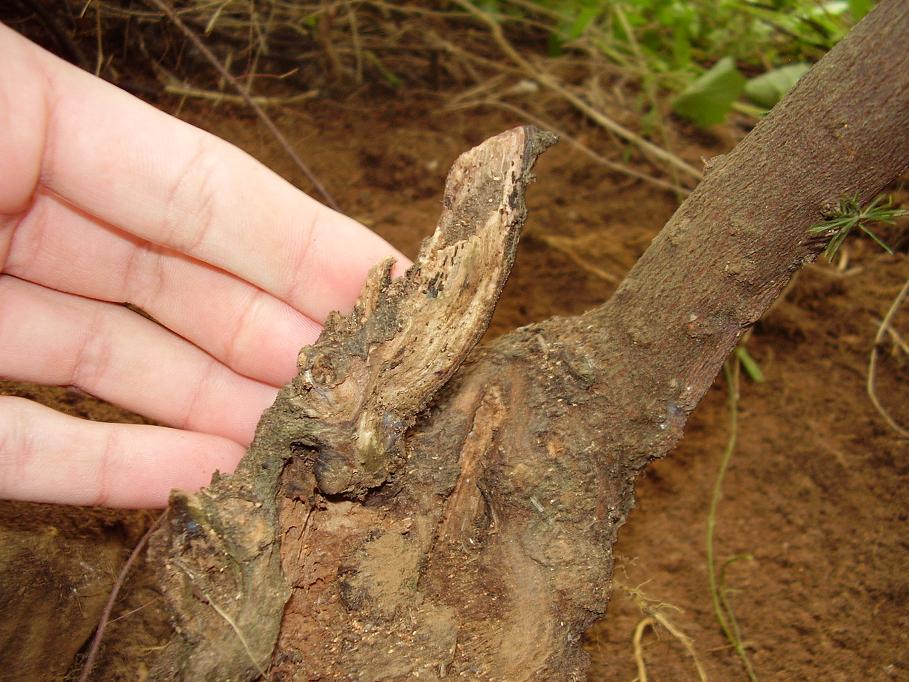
pixel 410 508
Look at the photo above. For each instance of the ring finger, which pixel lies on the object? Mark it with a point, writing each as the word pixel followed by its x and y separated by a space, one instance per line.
pixel 55 338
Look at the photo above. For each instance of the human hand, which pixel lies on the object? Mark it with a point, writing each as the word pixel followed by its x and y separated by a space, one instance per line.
pixel 104 200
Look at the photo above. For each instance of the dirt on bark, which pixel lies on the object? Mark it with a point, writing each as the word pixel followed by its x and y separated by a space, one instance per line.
pixel 815 494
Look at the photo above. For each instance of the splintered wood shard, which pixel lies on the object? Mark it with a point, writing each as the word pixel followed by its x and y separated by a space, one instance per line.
pixel 341 420
pixel 369 375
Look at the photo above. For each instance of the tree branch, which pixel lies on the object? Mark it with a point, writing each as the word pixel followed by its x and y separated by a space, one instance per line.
pixel 734 244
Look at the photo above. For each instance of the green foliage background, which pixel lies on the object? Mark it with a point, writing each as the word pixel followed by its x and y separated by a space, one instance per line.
pixel 703 55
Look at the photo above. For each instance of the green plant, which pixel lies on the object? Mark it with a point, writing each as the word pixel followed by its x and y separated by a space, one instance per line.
pixel 751 367
pixel 701 54
pixel 850 214
pixel 708 99
pixel 717 579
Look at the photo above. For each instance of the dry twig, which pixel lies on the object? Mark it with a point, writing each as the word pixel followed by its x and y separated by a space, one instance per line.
pixel 169 12
pixel 564 245
pixel 898 340
pixel 599 117
pixel 216 96
pixel 574 142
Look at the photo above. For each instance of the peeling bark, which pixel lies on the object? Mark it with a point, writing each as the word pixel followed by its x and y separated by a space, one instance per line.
pixel 403 514
pixel 341 422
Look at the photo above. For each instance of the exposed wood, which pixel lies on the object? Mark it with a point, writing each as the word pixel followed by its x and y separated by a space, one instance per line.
pixel 342 420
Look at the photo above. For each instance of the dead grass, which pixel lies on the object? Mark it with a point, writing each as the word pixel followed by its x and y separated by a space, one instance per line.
pixel 274 53
pixel 898 343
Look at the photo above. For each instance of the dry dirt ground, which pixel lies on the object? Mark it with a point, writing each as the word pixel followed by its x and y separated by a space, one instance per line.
pixel 816 489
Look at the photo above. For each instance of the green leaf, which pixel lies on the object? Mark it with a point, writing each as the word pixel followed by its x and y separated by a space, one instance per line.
pixel 877 240
pixel 708 99
pixel 769 88
pixel 582 21
pixel 859 8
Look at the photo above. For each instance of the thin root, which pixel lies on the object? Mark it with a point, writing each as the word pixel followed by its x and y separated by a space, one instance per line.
pixel 872 361
pixel 724 615
pixel 226 616
pixel 115 590
pixel 655 612
pixel 639 649
pixel 230 621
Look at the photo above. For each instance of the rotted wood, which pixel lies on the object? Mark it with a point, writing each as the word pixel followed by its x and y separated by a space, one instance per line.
pixel 340 423
pixel 410 508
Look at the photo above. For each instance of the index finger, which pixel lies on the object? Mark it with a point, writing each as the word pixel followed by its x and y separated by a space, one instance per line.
pixel 163 180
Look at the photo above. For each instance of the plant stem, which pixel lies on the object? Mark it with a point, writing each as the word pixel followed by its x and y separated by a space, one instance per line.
pixel 649 89
pixel 732 372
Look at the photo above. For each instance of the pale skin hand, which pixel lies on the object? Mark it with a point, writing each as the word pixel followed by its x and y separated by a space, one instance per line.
pixel 104 200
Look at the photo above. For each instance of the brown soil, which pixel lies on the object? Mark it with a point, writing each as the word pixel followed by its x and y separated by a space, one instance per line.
pixel 815 493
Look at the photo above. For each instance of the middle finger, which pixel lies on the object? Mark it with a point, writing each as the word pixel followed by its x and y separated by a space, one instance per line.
pixel 117 355
pixel 58 246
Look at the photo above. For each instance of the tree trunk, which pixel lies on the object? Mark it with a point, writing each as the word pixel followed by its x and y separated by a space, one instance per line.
pixel 401 514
